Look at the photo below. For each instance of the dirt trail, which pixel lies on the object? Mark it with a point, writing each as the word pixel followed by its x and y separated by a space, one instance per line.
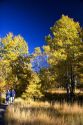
pixel 2 111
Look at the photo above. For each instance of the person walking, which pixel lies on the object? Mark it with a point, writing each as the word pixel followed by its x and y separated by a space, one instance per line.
pixel 8 97
pixel 12 95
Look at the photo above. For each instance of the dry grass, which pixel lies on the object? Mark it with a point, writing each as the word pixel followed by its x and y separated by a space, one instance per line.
pixel 43 113
pixel 60 91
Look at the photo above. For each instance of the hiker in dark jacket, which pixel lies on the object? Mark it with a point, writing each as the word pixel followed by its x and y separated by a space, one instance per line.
pixel 12 95
pixel 8 97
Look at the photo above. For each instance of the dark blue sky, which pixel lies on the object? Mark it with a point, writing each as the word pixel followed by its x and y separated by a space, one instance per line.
pixel 33 18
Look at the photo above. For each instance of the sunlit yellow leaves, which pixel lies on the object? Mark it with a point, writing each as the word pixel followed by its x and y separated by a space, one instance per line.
pixel 46 49
pixel 66 38
pixel 13 46
pixel 60 43
pixel 37 51
pixel 66 47
pixel 34 88
pixel 2 84
pixel 65 28
pixel 5 69
pixel 60 54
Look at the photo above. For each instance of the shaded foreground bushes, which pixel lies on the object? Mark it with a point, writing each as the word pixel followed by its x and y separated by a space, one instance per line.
pixel 43 113
pixel 62 97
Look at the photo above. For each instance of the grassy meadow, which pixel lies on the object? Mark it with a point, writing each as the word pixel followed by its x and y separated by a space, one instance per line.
pixel 43 113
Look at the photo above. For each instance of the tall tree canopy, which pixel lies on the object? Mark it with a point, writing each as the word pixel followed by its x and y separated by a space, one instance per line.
pixel 65 50
pixel 16 68
pixel 12 47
